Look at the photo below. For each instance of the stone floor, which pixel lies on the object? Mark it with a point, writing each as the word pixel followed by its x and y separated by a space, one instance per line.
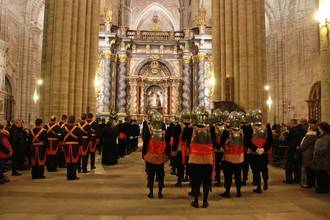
pixel 119 192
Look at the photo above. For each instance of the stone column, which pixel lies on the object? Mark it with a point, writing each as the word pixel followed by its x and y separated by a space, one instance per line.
pixel 325 69
pixel 186 93
pixel 3 62
pixel 133 99
pixel 238 37
pixel 122 84
pixel 69 58
pixel 106 90
pixel 201 80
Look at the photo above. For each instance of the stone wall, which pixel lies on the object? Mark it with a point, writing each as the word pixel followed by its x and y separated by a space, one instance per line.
pixel 21 24
pixel 293 59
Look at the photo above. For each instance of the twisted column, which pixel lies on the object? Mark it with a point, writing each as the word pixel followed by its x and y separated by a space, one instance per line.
pixel 106 88
pixel 201 80
pixel 133 98
pixel 122 84
pixel 186 88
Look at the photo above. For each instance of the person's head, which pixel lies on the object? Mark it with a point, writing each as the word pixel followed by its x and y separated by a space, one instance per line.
pixel 324 128
pixel 293 123
pixel 53 118
pixel 38 122
pixel 83 116
pixel 72 120
pixel 90 116
pixel 64 117
pixel 3 124
pixel 312 127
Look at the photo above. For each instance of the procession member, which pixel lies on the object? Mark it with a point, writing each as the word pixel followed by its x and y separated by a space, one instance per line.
pixel 53 133
pixel 247 132
pixel 85 143
pixel 169 141
pixel 201 156
pixel 60 152
pixel 155 152
pixel 232 141
pixel 216 132
pixel 6 151
pixel 136 133
pixel 110 142
pixel 94 138
pixel 259 146
pixel 122 138
pixel 39 147
pixel 72 138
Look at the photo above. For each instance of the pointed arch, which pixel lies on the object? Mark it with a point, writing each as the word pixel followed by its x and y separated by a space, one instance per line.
pixel 159 7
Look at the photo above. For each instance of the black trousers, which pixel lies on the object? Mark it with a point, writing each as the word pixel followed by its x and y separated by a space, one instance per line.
pixel 230 169
pixel 92 160
pixel 310 177
pixel 14 162
pixel 83 161
pixel 61 159
pixel 200 173
pixel 155 170
pixel 218 166
pixel 51 163
pixel 292 172
pixel 322 181
pixel 179 166
pixel 71 171
pixel 259 165
pixel 245 168
pixel 37 172
pixel 122 147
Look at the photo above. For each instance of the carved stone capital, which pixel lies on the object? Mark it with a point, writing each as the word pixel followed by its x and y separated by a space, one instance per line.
pixel 186 59
pixel 201 56
pixel 107 54
pixel 122 58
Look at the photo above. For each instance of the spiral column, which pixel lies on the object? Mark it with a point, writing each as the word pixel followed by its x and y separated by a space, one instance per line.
pixel 201 80
pixel 122 84
pixel 186 88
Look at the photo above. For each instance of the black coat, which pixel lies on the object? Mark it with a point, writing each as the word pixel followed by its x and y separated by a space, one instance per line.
pixel 110 145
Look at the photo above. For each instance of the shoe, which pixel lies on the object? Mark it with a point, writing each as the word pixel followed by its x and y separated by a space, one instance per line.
pixel 238 194
pixel 225 195
pixel 265 187
pixel 76 178
pixel 160 195
pixel 205 205
pixel 16 174
pixel 178 184
pixel 150 195
pixel 258 190
pixel 186 179
pixel 42 177
pixel 93 168
pixel 195 204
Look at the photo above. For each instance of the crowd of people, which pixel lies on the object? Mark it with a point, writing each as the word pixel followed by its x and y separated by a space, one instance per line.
pixel 199 145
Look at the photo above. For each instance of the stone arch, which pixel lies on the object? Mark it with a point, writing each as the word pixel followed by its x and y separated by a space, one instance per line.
pixel 158 7
pixel 314 101
pixel 140 65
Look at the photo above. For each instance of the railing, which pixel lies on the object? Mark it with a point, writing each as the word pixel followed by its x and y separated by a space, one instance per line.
pixel 155 35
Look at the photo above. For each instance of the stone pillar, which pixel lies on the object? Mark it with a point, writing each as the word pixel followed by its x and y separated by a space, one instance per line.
pixel 3 63
pixel 122 84
pixel 325 69
pixel 133 99
pixel 69 58
pixel 238 36
pixel 106 88
pixel 201 80
pixel 186 93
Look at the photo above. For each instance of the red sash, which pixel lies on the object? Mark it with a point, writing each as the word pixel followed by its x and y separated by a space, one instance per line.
pixel 259 142
pixel 234 149
pixel 201 149
pixel 122 136
pixel 157 147
pixel 184 151
pixel 70 158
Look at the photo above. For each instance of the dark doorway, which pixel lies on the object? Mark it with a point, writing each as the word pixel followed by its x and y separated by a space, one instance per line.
pixel 314 102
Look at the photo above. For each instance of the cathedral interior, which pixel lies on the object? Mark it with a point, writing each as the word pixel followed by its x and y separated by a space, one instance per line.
pixel 129 56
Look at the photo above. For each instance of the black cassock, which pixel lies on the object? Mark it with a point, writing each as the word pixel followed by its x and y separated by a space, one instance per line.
pixel 110 145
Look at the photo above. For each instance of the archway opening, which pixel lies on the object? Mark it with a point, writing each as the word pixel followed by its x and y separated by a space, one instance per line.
pixel 314 102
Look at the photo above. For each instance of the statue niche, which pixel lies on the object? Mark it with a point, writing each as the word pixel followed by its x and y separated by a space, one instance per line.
pixel 155 98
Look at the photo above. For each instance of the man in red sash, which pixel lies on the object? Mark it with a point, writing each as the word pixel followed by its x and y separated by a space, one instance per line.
pixel 72 135
pixel 85 143
pixel 94 138
pixel 155 153
pixel 39 147
pixel 216 132
pixel 60 151
pixel 201 158
pixel 53 133
pixel 6 151
pixel 232 141
pixel 259 145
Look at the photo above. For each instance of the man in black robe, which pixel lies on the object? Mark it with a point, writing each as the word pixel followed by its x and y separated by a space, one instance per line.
pixel 110 143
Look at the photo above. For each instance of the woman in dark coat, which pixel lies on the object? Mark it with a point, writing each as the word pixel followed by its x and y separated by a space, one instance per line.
pixel 110 144
pixel 306 149
pixel 321 158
